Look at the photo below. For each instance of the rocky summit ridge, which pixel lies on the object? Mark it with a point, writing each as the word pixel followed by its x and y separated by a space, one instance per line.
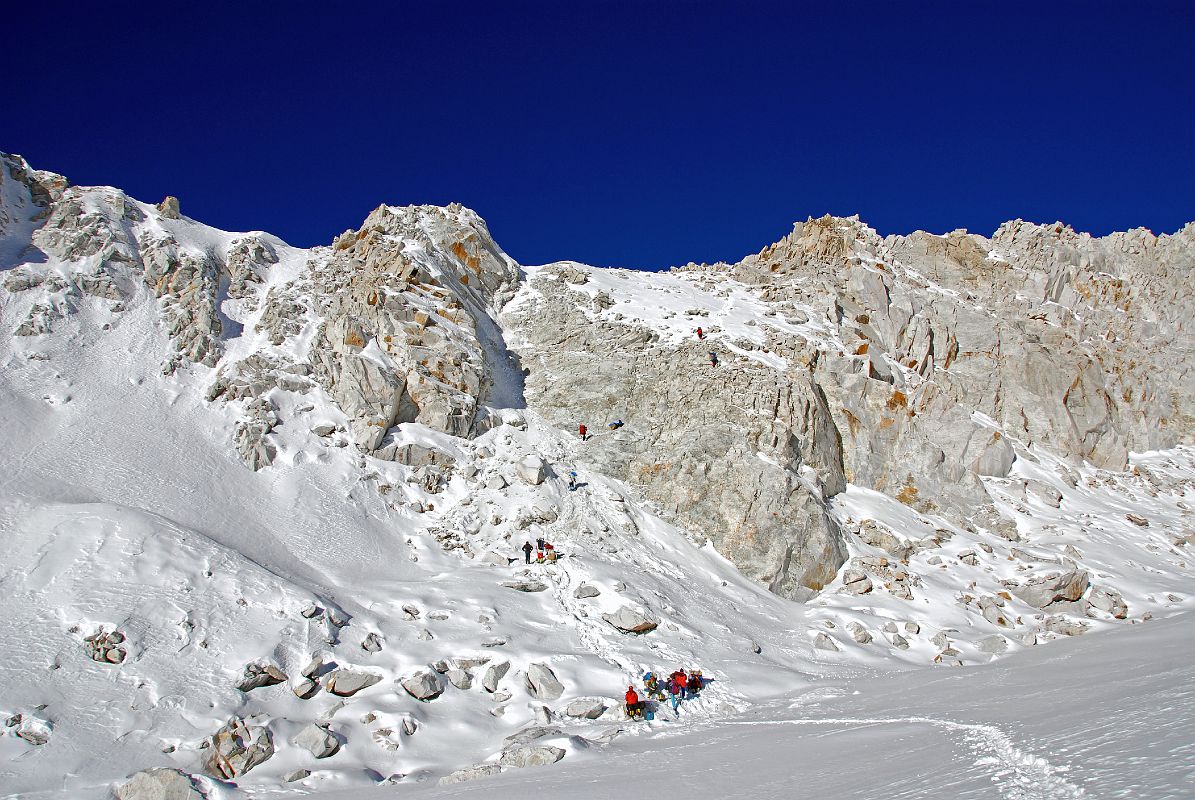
pixel 947 447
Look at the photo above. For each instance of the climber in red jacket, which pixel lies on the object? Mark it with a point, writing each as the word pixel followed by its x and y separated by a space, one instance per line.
pixel 582 432
pixel 634 707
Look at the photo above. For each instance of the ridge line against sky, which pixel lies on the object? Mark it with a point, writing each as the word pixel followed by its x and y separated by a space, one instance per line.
pixel 626 134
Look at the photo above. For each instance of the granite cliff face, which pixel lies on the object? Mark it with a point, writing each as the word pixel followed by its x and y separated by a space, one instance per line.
pixel 913 365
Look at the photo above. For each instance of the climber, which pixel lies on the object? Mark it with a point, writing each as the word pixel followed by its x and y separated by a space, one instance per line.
pixel 713 359
pixel 680 681
pixel 694 683
pixel 634 707
pixel 527 548
pixel 674 691
pixel 700 334
pixel 539 557
pixel 615 425
pixel 651 684
pixel 572 481
pixel 581 430
pixel 550 552
pixel 539 543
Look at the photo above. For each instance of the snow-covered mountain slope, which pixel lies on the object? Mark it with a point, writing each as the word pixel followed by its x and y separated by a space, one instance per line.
pixel 228 462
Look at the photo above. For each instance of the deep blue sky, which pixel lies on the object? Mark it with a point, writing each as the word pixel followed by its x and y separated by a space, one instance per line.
pixel 639 134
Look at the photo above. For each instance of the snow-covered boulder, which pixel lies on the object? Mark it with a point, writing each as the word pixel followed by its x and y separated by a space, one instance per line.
pixel 824 642
pixel 586 708
pixel 856 581
pixel 470 774
pixel 859 633
pixel 529 756
pixel 1109 601
pixel 526 584
pixel 33 730
pixel 106 647
pixel 630 620
pixel 994 644
pixel 1042 591
pixel 532 733
pixel 317 740
pixel 493 674
pixel 531 470
pixel 258 675
pixel 237 748
pixel 425 686
pixel 160 784
pixel 542 682
pixel 459 678
pixel 346 682
pixel 1065 625
pixel 586 590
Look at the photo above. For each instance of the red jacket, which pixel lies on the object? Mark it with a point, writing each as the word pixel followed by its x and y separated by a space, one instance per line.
pixel 632 697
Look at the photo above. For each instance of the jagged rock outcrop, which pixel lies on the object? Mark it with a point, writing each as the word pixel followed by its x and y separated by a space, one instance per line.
pixel 237 748
pixel 914 365
pixel 693 443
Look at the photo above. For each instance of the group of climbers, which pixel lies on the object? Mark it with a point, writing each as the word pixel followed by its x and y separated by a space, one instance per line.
pixel 680 686
pixel 545 551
